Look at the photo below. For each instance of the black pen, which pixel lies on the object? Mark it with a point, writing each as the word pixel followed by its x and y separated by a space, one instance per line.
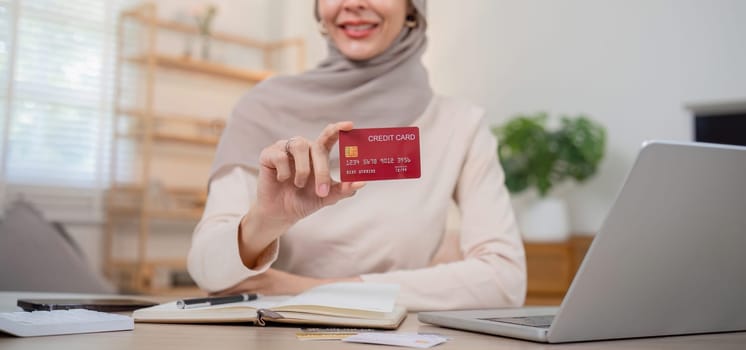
pixel 209 301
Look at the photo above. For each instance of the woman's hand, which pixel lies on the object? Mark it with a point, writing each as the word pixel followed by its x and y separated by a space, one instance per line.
pixel 294 179
pixel 276 282
pixel 294 182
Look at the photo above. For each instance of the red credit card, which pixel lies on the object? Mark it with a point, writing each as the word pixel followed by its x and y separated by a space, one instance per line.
pixel 379 154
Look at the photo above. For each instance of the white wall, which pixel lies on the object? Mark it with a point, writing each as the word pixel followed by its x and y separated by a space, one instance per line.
pixel 297 20
pixel 632 65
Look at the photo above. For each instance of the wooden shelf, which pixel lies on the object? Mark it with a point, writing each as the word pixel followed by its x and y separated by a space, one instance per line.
pixel 212 122
pixel 175 138
pixel 131 264
pixel 147 270
pixel 174 191
pixel 204 67
pixel 204 140
pixel 202 131
pixel 125 201
pixel 193 215
pixel 139 15
pixel 145 14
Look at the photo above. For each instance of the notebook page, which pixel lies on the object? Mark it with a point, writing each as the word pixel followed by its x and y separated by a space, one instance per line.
pixel 376 297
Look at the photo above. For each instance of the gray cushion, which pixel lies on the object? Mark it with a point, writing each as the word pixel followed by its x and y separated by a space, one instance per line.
pixel 37 256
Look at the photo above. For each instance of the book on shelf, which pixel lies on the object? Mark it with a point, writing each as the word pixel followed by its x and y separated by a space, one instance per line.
pixel 353 304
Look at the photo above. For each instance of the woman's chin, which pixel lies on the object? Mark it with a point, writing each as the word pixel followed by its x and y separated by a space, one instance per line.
pixel 359 53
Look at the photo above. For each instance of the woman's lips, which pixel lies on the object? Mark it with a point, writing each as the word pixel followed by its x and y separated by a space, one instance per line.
pixel 359 31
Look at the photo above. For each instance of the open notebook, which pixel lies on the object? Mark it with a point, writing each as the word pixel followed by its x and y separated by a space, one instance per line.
pixel 363 305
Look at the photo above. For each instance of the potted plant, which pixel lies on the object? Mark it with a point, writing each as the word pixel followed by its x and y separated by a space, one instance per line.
pixel 534 156
pixel 203 17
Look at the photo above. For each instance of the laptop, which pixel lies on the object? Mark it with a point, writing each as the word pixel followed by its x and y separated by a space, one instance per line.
pixel 669 259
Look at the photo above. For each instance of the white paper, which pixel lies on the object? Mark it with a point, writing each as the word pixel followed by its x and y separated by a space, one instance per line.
pixel 378 297
pixel 412 340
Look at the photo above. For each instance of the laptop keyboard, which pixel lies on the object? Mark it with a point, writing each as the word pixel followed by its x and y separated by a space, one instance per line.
pixel 531 321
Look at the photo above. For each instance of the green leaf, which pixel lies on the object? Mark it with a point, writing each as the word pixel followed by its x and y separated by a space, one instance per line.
pixel 533 156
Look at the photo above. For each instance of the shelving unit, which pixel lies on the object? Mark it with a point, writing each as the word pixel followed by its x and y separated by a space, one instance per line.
pixel 149 200
pixel 551 268
pixel 195 66
pixel 191 130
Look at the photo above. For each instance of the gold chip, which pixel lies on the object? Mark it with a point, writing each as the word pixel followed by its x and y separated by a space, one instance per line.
pixel 350 151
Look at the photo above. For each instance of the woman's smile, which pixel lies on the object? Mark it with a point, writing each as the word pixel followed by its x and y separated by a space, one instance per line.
pixel 358 29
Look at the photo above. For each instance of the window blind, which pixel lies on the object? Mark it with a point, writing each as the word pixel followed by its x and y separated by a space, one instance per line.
pixel 61 83
pixel 5 36
pixel 5 29
pixel 56 89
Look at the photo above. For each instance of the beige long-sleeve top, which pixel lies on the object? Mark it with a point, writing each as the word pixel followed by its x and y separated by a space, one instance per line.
pixel 390 230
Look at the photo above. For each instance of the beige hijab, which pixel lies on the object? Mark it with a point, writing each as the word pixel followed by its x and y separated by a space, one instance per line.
pixel 391 89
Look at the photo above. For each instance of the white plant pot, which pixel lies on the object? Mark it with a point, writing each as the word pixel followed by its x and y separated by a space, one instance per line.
pixel 545 220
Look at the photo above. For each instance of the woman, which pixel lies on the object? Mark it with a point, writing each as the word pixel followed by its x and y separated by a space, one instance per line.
pixel 276 223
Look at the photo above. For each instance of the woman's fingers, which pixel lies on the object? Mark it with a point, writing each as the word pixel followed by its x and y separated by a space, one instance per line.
pixel 298 148
pixel 290 159
pixel 275 158
pixel 320 155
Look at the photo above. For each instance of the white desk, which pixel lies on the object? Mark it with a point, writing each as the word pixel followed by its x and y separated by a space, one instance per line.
pixel 186 337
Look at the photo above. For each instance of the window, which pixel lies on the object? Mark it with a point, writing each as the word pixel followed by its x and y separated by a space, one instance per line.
pixel 56 90
pixel 5 30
